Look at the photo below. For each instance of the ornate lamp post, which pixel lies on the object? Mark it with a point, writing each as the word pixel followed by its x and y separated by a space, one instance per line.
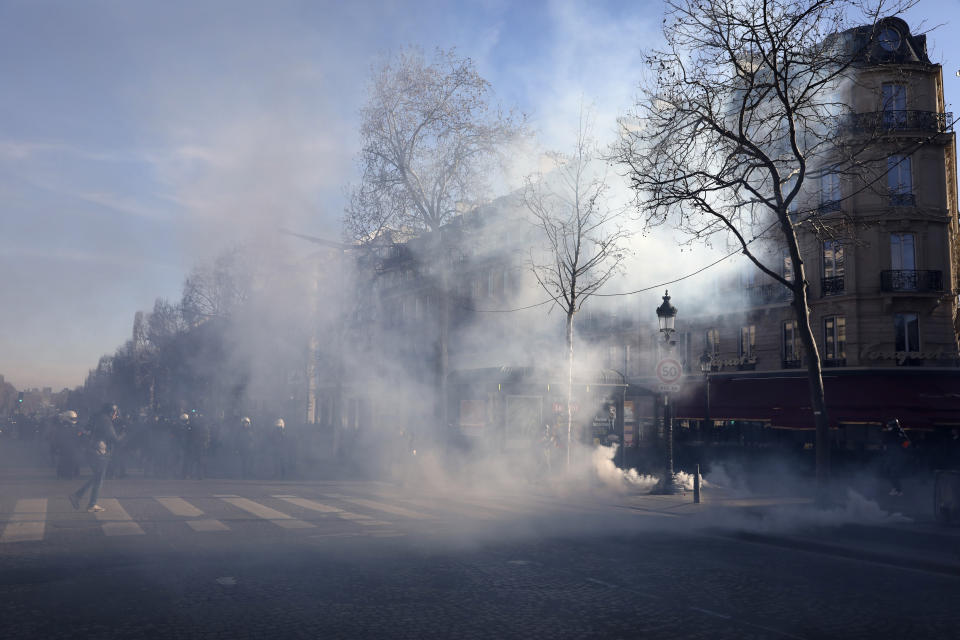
pixel 706 365
pixel 666 317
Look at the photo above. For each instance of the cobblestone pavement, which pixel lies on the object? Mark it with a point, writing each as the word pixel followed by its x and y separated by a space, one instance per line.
pixel 228 559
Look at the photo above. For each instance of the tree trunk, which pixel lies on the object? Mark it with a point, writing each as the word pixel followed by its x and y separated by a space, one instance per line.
pixel 443 336
pixel 569 385
pixel 817 398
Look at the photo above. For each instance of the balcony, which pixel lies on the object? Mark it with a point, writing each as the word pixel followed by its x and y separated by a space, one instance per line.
pixel 829 206
pixel 791 363
pixel 903 200
pixel 834 362
pixel 767 294
pixel 832 286
pixel 911 280
pixel 878 122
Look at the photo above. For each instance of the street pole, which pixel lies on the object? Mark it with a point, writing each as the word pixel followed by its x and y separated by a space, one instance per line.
pixel 666 316
pixel 669 480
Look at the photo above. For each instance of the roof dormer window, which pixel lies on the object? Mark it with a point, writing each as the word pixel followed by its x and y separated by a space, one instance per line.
pixel 889 38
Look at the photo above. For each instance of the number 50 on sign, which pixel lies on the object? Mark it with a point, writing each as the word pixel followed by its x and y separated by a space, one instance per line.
pixel 669 372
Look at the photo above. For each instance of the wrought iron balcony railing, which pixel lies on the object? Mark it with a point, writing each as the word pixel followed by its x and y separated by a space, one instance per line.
pixel 828 206
pixel 832 286
pixel 767 294
pixel 835 362
pixel 902 200
pixel 906 120
pixel 911 280
pixel 791 363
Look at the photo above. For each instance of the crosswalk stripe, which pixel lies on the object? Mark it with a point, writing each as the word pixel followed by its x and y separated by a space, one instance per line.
pixel 27 522
pixel 179 506
pixel 261 511
pixel 502 504
pixel 207 525
pixel 452 507
pixel 382 506
pixel 116 521
pixel 340 513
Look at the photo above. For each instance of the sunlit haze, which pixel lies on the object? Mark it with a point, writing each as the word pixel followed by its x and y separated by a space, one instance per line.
pixel 138 139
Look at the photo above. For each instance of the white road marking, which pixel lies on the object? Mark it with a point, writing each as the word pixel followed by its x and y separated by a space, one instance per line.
pixel 207 525
pixel 116 521
pixel 340 513
pixel 27 522
pixel 179 507
pixel 501 504
pixel 261 511
pixel 452 506
pixel 382 506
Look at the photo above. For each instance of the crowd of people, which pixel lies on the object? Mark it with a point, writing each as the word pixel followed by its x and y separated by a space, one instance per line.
pixel 189 445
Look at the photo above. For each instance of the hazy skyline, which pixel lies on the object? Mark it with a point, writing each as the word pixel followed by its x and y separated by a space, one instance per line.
pixel 139 138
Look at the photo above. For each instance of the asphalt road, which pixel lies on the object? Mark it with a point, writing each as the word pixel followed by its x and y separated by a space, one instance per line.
pixel 233 559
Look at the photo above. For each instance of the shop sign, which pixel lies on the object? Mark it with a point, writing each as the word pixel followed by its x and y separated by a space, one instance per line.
pixel 902 356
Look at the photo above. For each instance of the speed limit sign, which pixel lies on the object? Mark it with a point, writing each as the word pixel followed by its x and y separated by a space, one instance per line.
pixel 669 371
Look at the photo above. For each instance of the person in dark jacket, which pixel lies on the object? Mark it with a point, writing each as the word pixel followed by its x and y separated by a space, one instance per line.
pixel 895 445
pixel 103 439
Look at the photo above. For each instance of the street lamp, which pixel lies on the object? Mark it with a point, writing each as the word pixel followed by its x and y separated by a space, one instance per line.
pixel 706 365
pixel 666 317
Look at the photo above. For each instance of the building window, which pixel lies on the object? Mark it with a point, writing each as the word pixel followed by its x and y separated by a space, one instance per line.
pixel 835 341
pixel 493 282
pixel 906 327
pixel 791 348
pixel 748 342
pixel 711 342
pixel 615 358
pixel 785 191
pixel 830 192
pixel 833 268
pixel 902 252
pixel 787 271
pixel 894 105
pixel 900 181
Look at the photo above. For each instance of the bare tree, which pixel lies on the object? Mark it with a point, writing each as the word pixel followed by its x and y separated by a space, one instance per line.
pixel 741 108
pixel 217 289
pixel 584 236
pixel 430 136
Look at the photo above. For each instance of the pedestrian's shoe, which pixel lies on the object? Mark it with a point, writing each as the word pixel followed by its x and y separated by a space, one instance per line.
pixel 95 509
pixel 74 501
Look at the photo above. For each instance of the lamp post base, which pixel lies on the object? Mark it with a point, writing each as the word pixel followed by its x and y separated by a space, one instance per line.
pixel 669 485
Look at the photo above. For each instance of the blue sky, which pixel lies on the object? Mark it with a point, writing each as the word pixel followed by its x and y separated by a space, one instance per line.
pixel 137 138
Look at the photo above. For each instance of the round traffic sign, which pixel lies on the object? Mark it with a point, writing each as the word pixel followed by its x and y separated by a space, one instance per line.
pixel 669 370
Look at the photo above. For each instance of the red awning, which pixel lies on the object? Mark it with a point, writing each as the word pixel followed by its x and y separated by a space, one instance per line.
pixel 918 398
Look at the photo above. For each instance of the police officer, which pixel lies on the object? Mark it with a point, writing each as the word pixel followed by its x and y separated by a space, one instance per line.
pixel 196 443
pixel 278 449
pixel 245 447
pixel 66 443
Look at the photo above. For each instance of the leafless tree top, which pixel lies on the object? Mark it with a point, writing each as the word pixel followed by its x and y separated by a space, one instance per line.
pixel 744 104
pixel 429 134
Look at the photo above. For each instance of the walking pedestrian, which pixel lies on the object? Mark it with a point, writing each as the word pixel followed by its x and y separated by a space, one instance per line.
pixel 103 438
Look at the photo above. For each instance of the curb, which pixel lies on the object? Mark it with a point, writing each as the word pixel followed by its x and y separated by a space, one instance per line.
pixel 804 544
